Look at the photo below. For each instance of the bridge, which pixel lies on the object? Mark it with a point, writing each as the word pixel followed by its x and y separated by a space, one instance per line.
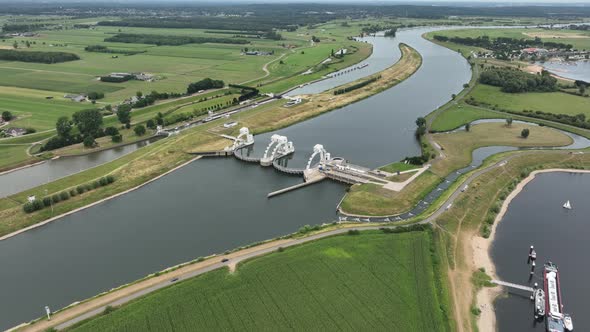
pixel 284 169
pixel 512 285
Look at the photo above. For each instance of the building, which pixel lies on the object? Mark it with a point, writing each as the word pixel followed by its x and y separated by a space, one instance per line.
pixel 15 132
pixel 144 77
pixel 76 97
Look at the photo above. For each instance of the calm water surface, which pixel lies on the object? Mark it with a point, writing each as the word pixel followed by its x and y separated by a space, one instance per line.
pixel 575 70
pixel 536 217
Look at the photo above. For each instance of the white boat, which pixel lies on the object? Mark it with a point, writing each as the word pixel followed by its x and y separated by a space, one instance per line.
pixel 567 322
pixel 567 205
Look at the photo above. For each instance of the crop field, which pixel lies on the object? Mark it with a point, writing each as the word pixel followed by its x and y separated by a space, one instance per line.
pixel 371 281
pixel 550 102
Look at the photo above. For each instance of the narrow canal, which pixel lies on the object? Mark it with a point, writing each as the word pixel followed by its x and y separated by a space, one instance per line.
pixel 536 217
pixel 217 204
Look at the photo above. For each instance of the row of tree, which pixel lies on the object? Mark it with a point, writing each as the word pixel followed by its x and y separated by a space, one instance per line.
pixel 502 44
pixel 37 56
pixel 356 86
pixel 170 40
pixel 104 49
pixel 517 81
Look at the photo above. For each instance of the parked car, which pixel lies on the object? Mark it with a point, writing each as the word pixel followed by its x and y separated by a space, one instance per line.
pixel 225 260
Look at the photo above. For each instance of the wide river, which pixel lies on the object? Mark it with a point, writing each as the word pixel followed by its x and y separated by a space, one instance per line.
pixel 213 205
pixel 536 217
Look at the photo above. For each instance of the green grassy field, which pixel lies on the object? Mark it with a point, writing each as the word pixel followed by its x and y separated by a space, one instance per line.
pixel 551 102
pixel 33 110
pixel 370 281
pixel 461 114
pixel 397 167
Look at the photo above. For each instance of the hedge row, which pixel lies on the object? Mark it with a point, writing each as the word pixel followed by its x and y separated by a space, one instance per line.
pixel 48 201
pixel 356 86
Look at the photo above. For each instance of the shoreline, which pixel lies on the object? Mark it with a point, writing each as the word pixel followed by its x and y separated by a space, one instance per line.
pixel 45 222
pixel 481 248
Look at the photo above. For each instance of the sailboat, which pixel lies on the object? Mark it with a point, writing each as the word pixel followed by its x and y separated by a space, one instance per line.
pixel 567 205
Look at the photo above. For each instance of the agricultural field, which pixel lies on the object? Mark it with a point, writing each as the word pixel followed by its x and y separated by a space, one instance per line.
pixel 349 282
pixel 174 66
pixel 34 110
pixel 550 102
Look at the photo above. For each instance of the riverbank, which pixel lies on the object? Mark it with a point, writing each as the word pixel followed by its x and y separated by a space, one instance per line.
pixel 481 253
pixel 138 167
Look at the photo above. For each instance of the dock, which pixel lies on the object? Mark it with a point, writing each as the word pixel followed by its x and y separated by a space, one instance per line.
pixel 297 186
pixel 512 285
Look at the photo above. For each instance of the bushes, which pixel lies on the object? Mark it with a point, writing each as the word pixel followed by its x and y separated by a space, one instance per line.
pixel 65 195
pixel 204 84
pixel 356 86
pixel 117 138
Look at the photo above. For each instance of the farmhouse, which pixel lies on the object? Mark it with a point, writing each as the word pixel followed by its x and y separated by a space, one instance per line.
pixel 76 97
pixel 15 132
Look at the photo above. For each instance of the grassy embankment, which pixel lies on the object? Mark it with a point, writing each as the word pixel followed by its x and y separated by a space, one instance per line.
pixel 370 199
pixel 149 162
pixel 370 280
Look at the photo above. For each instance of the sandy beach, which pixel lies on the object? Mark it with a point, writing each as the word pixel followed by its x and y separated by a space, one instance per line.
pixel 482 258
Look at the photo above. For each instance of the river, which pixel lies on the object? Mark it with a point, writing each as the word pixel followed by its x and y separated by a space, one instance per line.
pixel 536 217
pixel 31 177
pixel 575 70
pixel 213 205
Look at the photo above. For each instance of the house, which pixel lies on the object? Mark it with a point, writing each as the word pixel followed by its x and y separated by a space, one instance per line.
pixel 15 132
pixel 144 77
pixel 76 97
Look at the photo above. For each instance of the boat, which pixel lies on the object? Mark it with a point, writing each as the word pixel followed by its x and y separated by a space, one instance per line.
pixel 567 205
pixel 553 302
pixel 567 322
pixel 539 298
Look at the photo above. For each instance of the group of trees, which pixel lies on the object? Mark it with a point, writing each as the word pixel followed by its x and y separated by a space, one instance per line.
pixel 37 56
pixel 170 40
pixel 93 95
pixel 88 122
pixel 272 35
pixel 502 44
pixel 516 81
pixel 49 201
pixel 246 92
pixel 204 84
pixel 104 49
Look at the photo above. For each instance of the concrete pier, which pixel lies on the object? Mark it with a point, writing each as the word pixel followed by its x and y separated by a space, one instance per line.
pixel 295 187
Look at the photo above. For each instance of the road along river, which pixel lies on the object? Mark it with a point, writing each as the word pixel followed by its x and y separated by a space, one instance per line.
pixel 213 205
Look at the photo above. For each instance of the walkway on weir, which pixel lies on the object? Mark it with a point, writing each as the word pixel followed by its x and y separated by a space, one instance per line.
pixel 512 285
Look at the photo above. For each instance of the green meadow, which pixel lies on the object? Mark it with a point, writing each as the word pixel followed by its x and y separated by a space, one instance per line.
pixel 370 281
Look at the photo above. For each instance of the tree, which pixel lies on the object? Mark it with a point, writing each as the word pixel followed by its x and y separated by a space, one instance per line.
pixel 88 122
pixel 63 126
pixel 6 116
pixel 468 126
pixel 124 114
pixel 525 133
pixel 582 89
pixel 89 141
pixel 108 108
pixel 509 122
pixel 139 94
pixel 139 130
pixel 453 96
pixel 15 45
pixel 151 124
pixel 420 122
